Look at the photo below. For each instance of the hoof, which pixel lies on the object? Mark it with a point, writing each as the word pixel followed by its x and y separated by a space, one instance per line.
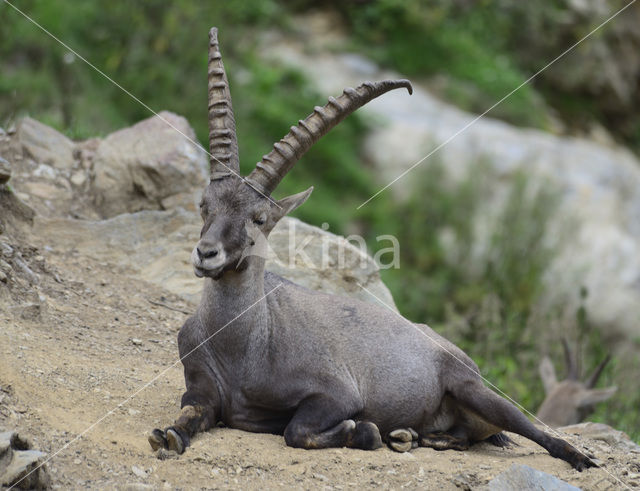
pixel 157 440
pixel 403 439
pixel 174 441
pixel 400 446
pixel 366 436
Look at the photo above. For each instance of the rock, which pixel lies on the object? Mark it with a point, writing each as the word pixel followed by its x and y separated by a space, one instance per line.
pixel 78 178
pixel 138 472
pixel 5 171
pixel 6 250
pixel 30 310
pixel 138 167
pixel 45 145
pixel 20 466
pixel 605 433
pixel 524 478
pixel 599 185
pixel 296 252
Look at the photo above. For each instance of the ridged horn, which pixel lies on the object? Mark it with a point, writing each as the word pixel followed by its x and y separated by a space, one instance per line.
pixel 274 166
pixel 593 379
pixel 223 143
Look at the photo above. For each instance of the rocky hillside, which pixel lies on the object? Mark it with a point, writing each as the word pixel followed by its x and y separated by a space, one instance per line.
pixel 94 285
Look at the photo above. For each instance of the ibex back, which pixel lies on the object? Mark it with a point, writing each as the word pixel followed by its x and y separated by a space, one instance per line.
pixel 263 354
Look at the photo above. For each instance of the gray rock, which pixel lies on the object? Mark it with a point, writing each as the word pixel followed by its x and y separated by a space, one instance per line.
pixel 137 168
pixel 20 466
pixel 605 433
pixel 5 171
pixel 157 245
pixel 6 250
pixel 45 145
pixel 524 478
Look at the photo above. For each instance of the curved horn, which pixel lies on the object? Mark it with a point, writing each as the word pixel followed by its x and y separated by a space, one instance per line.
pixel 274 166
pixel 593 379
pixel 570 361
pixel 223 143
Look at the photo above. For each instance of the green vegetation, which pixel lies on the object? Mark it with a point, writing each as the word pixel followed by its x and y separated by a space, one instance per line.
pixel 481 291
pixel 442 37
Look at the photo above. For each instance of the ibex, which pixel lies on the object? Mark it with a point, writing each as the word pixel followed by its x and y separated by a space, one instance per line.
pixel 570 401
pixel 262 354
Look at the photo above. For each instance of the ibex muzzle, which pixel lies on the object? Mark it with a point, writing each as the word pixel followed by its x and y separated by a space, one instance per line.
pixel 266 355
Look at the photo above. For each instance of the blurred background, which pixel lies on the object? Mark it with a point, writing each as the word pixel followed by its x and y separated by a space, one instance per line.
pixel 480 271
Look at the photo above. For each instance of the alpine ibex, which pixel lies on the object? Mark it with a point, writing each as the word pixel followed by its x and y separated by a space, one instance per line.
pixel 570 401
pixel 263 354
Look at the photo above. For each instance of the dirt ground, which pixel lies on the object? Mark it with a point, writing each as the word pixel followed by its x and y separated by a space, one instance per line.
pixel 88 365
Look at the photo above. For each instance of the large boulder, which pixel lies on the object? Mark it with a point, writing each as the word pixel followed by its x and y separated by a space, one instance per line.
pixel 142 166
pixel 153 164
pixel 44 145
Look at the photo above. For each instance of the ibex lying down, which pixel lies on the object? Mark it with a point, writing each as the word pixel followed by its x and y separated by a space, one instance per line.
pixel 263 354
pixel 570 401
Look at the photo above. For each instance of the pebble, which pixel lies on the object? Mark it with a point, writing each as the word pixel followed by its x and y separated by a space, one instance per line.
pixel 138 472
pixel 136 342
pixel 6 250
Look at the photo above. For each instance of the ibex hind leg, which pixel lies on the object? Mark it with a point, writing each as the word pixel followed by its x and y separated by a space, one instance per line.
pixel 495 410
pixel 452 439
pixel 323 422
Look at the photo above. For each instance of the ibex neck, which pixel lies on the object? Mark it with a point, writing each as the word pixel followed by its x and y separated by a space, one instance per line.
pixel 234 303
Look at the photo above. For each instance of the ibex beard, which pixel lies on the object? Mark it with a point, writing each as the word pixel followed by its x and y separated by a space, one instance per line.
pixel 322 370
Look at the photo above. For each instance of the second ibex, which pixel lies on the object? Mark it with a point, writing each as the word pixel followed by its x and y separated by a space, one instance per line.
pixel 263 354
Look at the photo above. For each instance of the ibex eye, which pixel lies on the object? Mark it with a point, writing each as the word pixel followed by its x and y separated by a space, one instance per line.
pixel 258 221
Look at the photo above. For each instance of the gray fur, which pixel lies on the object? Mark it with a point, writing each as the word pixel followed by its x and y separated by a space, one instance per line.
pixel 263 354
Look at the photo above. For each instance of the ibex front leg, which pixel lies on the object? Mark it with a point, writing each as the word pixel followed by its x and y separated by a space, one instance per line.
pixel 200 410
pixel 190 421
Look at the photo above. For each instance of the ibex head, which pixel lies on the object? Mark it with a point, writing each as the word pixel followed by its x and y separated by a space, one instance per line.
pixel 237 209
pixel 570 401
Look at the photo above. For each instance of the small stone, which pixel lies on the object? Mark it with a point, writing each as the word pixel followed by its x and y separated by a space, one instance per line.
pixel 136 342
pixel 164 454
pixel 138 472
pixel 6 250
pixel 5 171
pixel 30 311
pixel 78 178
pixel 3 277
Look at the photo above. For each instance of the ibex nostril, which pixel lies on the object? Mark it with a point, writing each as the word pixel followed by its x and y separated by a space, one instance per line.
pixel 207 254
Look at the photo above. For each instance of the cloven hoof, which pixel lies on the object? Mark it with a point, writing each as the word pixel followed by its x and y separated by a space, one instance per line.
pixel 403 439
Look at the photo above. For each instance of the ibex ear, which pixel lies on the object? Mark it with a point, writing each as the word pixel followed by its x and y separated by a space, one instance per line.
pixel 548 374
pixel 590 397
pixel 290 203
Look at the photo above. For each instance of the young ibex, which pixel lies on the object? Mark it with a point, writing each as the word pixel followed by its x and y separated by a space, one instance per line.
pixel 263 354
pixel 570 401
